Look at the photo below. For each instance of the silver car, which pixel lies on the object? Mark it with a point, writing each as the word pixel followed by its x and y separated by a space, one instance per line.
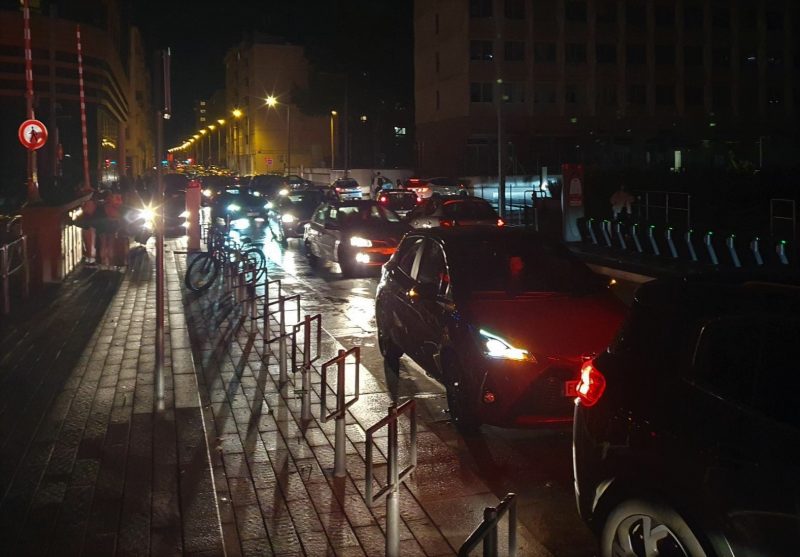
pixel 458 210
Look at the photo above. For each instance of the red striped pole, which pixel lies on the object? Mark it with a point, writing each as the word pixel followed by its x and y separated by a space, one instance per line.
pixel 87 186
pixel 33 186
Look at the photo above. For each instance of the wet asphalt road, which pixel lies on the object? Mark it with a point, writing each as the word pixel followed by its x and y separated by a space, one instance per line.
pixel 535 464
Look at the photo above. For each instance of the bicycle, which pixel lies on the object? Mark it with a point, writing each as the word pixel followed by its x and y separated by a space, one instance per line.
pixel 224 253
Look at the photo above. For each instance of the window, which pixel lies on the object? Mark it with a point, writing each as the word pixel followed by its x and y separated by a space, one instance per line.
pixel 481 50
pixel 575 11
pixel 480 8
pixel 635 14
pixel 665 95
pixel 514 92
pixel 408 254
pixel 636 55
pixel 544 94
pixel 665 54
pixel 693 96
pixel 721 58
pixel 692 16
pixel 721 96
pixel 606 54
pixel 575 53
pixel 432 269
pixel 636 94
pixel 720 17
pixel 726 358
pixel 693 55
pixel 665 15
pixel 606 12
pixel 544 52
pixel 480 92
pixel 544 12
pixel 514 51
pixel 515 9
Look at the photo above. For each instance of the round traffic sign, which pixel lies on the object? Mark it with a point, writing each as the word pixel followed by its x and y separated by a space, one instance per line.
pixel 32 134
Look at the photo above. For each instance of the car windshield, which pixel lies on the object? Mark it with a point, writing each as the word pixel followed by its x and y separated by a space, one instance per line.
pixel 346 184
pixel 519 264
pixel 349 215
pixel 468 210
pixel 307 200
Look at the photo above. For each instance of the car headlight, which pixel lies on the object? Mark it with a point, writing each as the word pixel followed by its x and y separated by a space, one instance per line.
pixel 269 205
pixel 184 214
pixel 148 215
pixel 287 218
pixel 233 208
pixel 283 192
pixel 359 242
pixel 256 194
pixel 497 347
pixel 208 193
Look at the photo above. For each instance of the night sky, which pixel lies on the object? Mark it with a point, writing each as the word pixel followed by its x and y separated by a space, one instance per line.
pixel 370 39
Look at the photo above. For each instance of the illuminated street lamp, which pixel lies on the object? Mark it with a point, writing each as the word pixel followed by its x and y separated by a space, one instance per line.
pixel 272 102
pixel 221 123
pixel 211 128
pixel 333 145
pixel 236 114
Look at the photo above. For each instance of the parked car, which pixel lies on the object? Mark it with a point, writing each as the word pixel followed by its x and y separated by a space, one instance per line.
pixel 357 234
pixel 686 436
pixel 399 201
pixel 237 202
pixel 460 210
pixel 288 214
pixel 347 188
pixel 427 187
pixel 501 317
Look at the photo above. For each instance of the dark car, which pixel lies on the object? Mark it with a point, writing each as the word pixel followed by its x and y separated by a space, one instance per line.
pixel 427 187
pixel 268 186
pixel 459 210
pixel 347 188
pixel 235 203
pixel 501 317
pixel 357 234
pixel 399 201
pixel 214 185
pixel 288 214
pixel 175 186
pixel 686 437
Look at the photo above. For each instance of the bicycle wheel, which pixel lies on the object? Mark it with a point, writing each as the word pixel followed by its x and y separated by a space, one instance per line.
pixel 202 273
pixel 253 265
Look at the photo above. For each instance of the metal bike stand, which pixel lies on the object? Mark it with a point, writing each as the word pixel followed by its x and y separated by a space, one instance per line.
pixel 305 369
pixel 621 236
pixel 690 245
pixel 712 253
pixel 605 228
pixel 730 243
pixel 635 235
pixel 670 243
pixel 590 230
pixel 339 462
pixel 652 237
pixel 780 251
pixel 486 532
pixel 755 249
pixel 281 337
pixel 394 478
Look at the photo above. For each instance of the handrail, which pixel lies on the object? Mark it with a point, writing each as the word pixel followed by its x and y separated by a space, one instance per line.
pixel 18 248
pixel 486 531
pixel 339 467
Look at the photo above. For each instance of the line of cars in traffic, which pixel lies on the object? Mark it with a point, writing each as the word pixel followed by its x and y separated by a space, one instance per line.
pixel 685 428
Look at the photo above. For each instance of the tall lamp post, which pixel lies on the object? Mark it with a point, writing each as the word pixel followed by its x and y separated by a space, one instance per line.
pixel 221 123
pixel 211 128
pixel 197 148
pixel 203 133
pixel 272 102
pixel 236 114
pixel 333 144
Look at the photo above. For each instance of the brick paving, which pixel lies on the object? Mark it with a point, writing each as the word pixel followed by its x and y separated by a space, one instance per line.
pixel 88 467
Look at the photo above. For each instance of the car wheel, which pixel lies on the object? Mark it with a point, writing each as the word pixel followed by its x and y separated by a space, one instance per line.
pixel 389 350
pixel 313 260
pixel 347 267
pixel 638 528
pixel 462 412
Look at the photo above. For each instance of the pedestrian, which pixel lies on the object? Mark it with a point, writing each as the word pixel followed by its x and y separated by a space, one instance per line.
pixel 621 200
pixel 399 184
pixel 377 181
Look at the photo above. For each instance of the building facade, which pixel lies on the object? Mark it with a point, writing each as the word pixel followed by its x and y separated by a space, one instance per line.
pixel 117 90
pixel 606 82
pixel 277 138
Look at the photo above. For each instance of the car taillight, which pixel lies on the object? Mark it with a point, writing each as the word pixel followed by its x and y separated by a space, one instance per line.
pixel 592 384
pixel 383 199
pixel 451 222
pixel 501 222
pixel 419 200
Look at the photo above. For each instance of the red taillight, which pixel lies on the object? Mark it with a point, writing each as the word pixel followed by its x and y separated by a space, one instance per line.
pixel 383 199
pixel 591 386
pixel 447 223
pixel 338 189
pixel 501 222
pixel 419 200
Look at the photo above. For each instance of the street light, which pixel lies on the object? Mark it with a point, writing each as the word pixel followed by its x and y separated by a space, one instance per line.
pixel 203 133
pixel 221 123
pixel 236 114
pixel 333 145
pixel 211 128
pixel 272 102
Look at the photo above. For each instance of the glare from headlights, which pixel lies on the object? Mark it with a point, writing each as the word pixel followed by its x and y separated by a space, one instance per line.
pixel 147 214
pixel 233 208
pixel 283 192
pixel 497 347
pixel 287 218
pixel 362 257
pixel 241 224
pixel 359 242
pixel 269 205
pixel 208 193
pixel 256 194
pixel 184 214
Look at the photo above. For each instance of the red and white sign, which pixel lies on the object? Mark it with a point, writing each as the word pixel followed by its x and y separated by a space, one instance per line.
pixel 32 134
pixel 269 161
pixel 573 182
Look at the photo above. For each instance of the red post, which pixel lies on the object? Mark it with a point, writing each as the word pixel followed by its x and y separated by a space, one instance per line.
pixel 87 186
pixel 33 181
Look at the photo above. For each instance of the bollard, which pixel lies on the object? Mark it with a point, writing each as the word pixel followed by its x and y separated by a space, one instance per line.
pixel 340 442
pixel 730 242
pixel 670 244
pixel 712 253
pixel 393 497
pixel 652 237
pixel 635 235
pixel 490 542
pixel 283 377
pixel 690 245
pixel 756 251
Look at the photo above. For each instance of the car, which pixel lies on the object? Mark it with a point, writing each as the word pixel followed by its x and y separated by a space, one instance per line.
pixel 501 317
pixel 399 201
pixel 459 210
pixel 213 185
pixel 268 186
pixel 347 188
pixel 288 214
pixel 358 234
pixel 237 202
pixel 175 186
pixel 686 437
pixel 427 187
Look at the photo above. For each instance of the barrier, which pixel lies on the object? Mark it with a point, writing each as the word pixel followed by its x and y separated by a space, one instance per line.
pixel 305 369
pixel 486 532
pixel 755 250
pixel 730 243
pixel 712 253
pixel 687 236
pixel 13 259
pixel 670 243
pixel 283 377
pixel 339 466
pixel 394 477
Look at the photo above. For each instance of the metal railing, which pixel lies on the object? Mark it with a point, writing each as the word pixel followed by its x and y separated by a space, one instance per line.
pixel 783 211
pixel 14 259
pixel 339 466
pixel 486 532
pixel 282 335
pixel 652 205
pixel 305 368
pixel 394 477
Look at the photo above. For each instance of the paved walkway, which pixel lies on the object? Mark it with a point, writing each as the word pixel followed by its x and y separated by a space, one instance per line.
pixel 88 467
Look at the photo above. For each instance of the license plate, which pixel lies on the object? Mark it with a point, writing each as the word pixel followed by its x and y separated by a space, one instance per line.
pixel 571 388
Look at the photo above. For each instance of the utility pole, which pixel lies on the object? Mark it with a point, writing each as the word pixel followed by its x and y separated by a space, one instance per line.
pixel 163 114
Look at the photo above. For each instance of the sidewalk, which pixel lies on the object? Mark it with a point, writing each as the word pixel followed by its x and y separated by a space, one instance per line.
pixel 87 467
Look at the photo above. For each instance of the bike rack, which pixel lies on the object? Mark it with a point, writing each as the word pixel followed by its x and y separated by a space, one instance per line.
pixel 621 236
pixel 7 258
pixel 670 243
pixel 281 338
pixel 635 235
pixel 605 227
pixel 652 237
pixel 780 250
pixel 486 532
pixel 690 245
pixel 730 242
pixel 755 249
pixel 339 466
pixel 305 368
pixel 712 253
pixel 394 478
pixel 590 229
